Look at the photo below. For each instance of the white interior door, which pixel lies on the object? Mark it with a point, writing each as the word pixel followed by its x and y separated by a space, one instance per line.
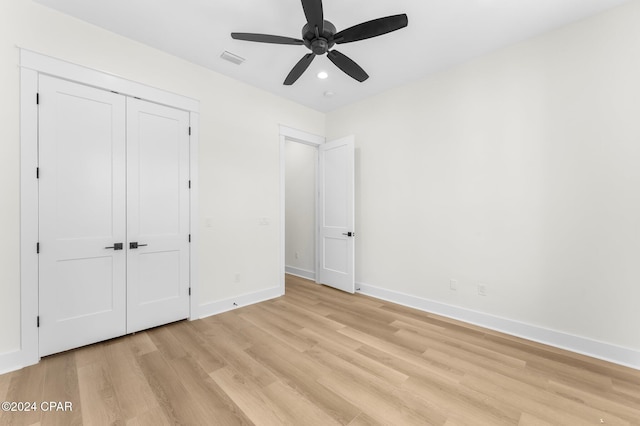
pixel 158 215
pixel 336 214
pixel 82 215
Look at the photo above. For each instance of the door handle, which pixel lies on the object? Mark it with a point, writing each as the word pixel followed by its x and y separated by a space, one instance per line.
pixel 116 246
pixel 349 234
pixel 135 245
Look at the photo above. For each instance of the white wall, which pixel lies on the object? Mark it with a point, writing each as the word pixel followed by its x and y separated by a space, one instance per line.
pixel 238 164
pixel 300 207
pixel 519 170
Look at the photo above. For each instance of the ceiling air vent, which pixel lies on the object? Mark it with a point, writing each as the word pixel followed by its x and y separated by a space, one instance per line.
pixel 235 59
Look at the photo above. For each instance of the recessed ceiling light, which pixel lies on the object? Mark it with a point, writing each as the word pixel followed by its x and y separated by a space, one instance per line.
pixel 322 75
pixel 328 94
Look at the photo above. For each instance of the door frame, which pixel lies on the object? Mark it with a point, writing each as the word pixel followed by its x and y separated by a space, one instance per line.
pixel 31 65
pixel 293 135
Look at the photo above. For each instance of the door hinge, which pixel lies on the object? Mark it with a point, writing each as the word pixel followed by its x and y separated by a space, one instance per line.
pixel 37 98
pixel 37 248
pixel 189 237
pixel 189 291
pixel 189 130
pixel 37 172
pixel 38 321
pixel 189 184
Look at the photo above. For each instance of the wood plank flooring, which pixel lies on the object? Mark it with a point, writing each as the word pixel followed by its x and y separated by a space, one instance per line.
pixel 318 356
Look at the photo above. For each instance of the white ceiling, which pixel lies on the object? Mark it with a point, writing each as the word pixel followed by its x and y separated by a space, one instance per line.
pixel 440 33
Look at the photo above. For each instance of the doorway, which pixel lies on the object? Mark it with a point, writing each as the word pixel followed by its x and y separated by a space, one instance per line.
pixel 334 199
pixel 301 162
pixel 98 93
pixel 113 191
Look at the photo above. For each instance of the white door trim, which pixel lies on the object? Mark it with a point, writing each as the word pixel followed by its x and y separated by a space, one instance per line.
pixel 28 352
pixel 294 135
pixel 31 65
pixel 80 74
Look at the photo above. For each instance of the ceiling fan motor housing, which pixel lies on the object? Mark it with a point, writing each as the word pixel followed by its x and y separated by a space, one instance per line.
pixel 319 44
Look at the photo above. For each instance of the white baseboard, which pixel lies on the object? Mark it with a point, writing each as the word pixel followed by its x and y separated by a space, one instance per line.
pixel 303 273
pixel 604 351
pixel 15 360
pixel 11 361
pixel 236 302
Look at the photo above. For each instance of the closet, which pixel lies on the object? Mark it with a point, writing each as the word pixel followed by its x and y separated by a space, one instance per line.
pixel 114 215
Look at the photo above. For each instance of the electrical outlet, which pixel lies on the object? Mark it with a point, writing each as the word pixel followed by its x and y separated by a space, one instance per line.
pixel 236 279
pixel 453 285
pixel 295 255
pixel 482 289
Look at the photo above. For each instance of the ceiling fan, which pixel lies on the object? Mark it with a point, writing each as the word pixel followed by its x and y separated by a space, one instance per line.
pixel 319 36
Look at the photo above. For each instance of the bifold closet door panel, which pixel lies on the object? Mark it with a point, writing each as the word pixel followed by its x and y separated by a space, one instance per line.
pixel 82 285
pixel 157 215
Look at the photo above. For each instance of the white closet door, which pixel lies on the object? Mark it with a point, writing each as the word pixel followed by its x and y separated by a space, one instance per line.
pixel 158 215
pixel 82 212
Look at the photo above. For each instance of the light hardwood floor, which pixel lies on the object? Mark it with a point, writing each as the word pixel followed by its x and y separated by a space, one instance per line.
pixel 318 356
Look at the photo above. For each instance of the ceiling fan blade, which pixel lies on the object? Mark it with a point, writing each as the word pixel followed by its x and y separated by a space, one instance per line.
pixel 372 28
pixel 313 13
pixel 299 68
pixel 347 65
pixel 265 38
